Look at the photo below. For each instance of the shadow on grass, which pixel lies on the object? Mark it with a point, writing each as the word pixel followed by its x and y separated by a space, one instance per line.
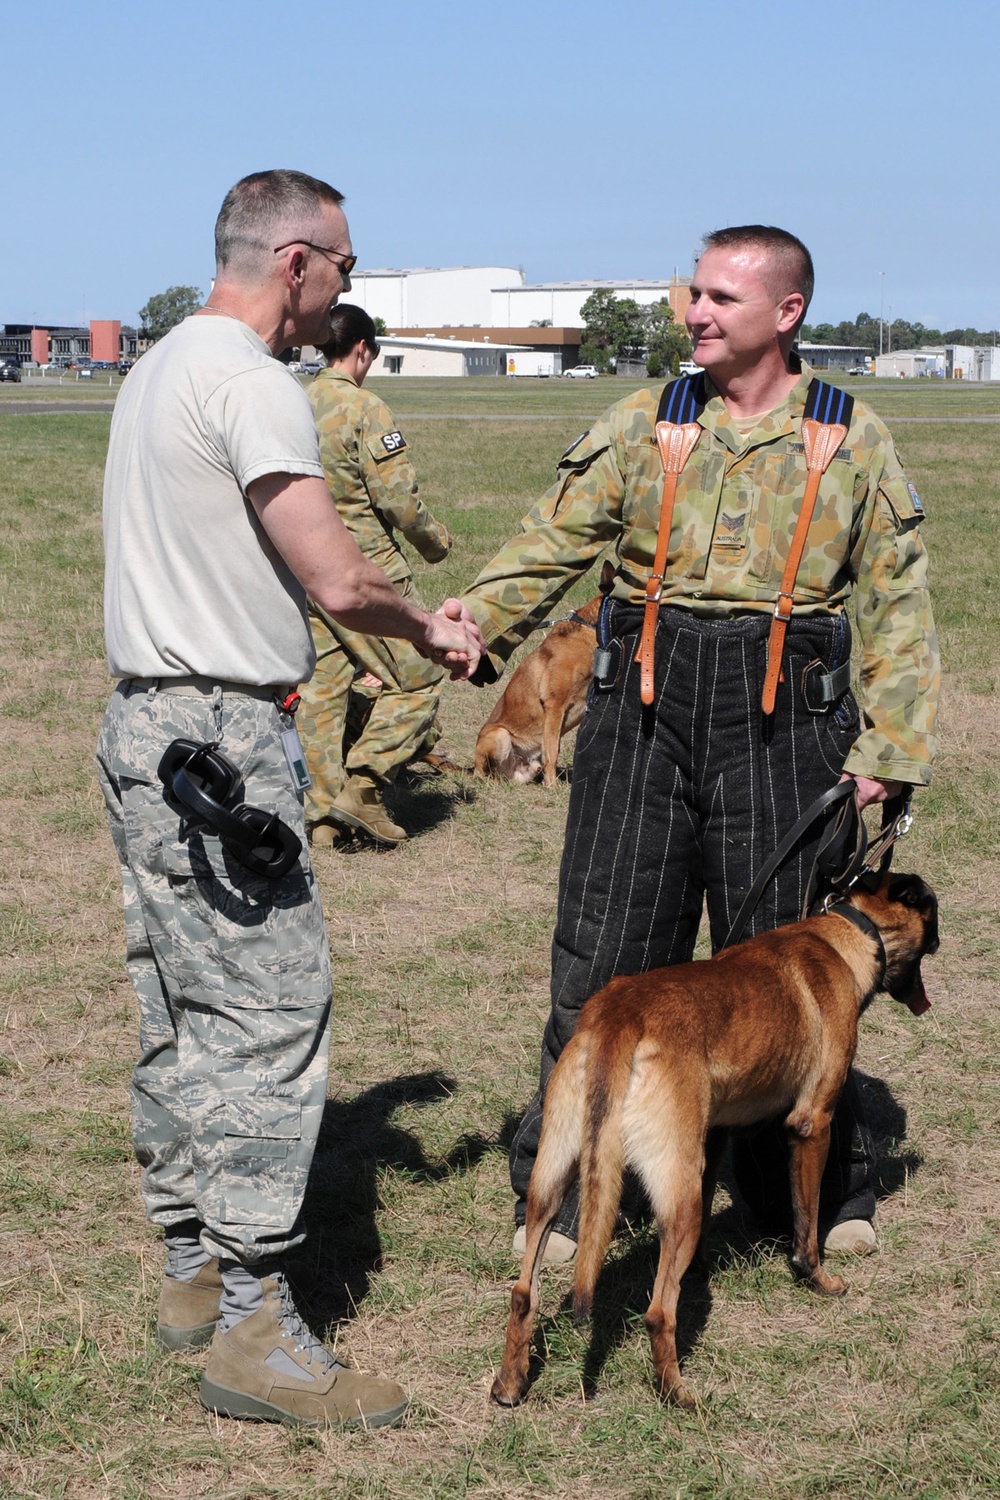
pixel 357 1140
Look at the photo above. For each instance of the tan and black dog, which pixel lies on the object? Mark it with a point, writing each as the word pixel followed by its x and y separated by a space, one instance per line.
pixel 660 1061
pixel 545 699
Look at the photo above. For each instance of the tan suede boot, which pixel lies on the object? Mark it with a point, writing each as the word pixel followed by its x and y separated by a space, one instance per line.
pixel 359 805
pixel 558 1250
pixel 271 1368
pixel 189 1310
pixel 324 834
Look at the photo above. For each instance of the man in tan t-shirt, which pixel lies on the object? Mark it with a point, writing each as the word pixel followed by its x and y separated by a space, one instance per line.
pixel 217 524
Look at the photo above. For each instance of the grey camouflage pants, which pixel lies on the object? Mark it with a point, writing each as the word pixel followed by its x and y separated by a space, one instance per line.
pixel 232 976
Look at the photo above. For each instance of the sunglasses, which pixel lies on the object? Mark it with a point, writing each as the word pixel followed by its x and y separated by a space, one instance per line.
pixel 347 262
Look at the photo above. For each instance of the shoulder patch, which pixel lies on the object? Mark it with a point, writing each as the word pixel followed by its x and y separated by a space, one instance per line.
pixel 393 442
pixel 918 504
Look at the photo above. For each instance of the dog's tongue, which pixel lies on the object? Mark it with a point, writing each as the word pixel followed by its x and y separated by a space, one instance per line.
pixel 918 1001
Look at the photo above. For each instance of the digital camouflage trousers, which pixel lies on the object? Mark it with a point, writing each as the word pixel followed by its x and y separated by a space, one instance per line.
pixel 347 729
pixel 232 975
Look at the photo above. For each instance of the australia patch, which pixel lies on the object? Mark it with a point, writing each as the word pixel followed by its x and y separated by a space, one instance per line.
pixel 730 531
pixel 918 504
pixel 393 442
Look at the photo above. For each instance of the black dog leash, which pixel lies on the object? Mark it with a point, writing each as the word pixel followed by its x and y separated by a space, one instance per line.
pixel 844 854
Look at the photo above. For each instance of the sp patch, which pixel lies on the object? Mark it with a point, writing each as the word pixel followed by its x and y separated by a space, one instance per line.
pixel 918 504
pixel 393 442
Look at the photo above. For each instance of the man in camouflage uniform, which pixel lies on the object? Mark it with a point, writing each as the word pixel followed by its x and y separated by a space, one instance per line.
pixel 367 467
pixel 685 800
pixel 217 522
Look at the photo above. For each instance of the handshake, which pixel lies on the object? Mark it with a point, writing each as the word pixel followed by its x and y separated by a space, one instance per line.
pixel 452 639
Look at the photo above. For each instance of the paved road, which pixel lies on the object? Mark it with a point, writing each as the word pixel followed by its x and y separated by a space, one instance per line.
pixel 60 408
pixel 51 408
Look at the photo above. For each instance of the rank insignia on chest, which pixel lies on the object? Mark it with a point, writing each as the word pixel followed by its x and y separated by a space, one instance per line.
pixel 730 531
pixel 393 442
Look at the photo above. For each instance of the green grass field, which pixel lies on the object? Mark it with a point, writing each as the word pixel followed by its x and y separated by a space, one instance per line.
pixel 440 953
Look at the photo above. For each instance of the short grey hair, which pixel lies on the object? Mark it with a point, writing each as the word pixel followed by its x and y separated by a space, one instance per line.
pixel 264 209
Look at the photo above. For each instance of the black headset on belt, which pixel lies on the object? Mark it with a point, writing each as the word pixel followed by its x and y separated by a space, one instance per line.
pixel 206 785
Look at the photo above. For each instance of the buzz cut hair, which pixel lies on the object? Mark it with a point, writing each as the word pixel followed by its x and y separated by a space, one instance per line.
pixel 263 210
pixel 790 266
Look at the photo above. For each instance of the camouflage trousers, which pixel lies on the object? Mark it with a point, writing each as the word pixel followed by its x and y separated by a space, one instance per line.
pixel 232 976
pixel 348 729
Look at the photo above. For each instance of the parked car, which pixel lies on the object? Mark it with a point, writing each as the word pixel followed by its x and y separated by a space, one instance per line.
pixel 10 371
pixel 582 372
pixel 124 365
pixel 312 367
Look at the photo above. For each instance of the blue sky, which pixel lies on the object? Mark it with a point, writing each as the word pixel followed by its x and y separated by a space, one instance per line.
pixel 573 139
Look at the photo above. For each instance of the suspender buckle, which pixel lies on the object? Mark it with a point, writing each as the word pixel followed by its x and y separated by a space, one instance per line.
pixel 654 588
pixel 783 614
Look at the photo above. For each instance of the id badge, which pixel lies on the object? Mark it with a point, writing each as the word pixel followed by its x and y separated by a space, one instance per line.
pixel 292 746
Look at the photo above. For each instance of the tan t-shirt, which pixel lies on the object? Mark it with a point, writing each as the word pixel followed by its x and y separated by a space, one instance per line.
pixel 192 581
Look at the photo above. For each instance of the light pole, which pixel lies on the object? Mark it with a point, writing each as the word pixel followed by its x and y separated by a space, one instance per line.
pixel 881 309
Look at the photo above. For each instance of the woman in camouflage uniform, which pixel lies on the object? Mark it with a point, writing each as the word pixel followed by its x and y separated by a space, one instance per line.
pixel 371 706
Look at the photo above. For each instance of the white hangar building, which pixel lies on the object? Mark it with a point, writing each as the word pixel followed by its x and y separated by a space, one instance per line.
pixel 494 297
pixel 427 298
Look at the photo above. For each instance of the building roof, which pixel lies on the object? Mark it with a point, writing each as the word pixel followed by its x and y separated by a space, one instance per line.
pixel 426 270
pixel 431 341
pixel 492 334
pixel 582 286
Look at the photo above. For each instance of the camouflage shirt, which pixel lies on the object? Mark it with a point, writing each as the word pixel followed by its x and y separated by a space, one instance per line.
pixel 737 501
pixel 366 464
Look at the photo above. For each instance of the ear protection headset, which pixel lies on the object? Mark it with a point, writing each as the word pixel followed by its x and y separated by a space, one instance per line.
pixel 206 785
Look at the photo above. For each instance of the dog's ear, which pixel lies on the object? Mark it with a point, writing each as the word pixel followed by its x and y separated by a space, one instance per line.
pixel 911 891
pixel 908 889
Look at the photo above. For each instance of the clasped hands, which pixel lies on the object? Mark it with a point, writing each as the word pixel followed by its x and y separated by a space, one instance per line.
pixel 453 639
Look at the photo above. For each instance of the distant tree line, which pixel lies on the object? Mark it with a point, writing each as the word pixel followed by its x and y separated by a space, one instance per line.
pixel 618 328
pixel 863 333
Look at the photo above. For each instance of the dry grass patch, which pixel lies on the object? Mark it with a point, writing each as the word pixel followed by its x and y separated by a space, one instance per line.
pixel 440 954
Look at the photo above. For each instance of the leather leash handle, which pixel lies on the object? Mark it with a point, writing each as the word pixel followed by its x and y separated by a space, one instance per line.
pixel 821 441
pixel 676 442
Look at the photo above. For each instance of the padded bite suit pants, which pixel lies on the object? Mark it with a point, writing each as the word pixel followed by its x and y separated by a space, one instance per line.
pixel 682 803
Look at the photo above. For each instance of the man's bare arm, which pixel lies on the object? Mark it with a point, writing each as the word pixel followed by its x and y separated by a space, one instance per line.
pixel 302 521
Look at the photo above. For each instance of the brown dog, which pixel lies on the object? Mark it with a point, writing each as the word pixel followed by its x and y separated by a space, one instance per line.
pixel 659 1061
pixel 544 700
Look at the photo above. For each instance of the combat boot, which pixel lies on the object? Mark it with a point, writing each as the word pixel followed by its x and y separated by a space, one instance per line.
pixel 189 1310
pixel 359 806
pixel 270 1367
pixel 323 834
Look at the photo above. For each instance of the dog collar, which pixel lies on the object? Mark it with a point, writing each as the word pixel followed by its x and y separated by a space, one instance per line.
pixel 843 908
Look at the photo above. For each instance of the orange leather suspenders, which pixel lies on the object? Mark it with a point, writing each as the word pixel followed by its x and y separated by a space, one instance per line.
pixel 824 428
pixel 677 435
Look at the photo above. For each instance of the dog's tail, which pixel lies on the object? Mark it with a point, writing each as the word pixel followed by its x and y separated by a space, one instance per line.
pixel 602 1159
